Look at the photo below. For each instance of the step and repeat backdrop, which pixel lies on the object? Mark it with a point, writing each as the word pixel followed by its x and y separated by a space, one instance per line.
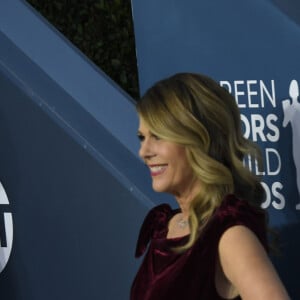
pixel 252 49
pixel 69 171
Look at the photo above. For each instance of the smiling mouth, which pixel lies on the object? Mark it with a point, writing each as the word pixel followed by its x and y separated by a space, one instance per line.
pixel 157 170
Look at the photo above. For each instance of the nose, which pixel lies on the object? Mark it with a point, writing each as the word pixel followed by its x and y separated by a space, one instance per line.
pixel 146 149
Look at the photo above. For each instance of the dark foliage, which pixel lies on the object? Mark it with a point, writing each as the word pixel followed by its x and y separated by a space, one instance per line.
pixel 102 30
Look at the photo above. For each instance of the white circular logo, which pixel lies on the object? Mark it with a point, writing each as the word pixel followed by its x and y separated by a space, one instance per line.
pixel 6 229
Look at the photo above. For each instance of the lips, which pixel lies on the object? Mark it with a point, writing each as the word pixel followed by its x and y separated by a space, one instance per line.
pixel 156 170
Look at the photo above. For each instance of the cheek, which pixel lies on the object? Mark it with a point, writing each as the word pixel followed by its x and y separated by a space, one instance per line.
pixel 183 168
pixel 185 173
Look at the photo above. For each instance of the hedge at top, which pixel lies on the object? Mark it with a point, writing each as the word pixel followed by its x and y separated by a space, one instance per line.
pixel 102 30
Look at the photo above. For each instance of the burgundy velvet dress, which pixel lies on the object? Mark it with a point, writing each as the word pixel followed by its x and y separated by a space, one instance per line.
pixel 165 275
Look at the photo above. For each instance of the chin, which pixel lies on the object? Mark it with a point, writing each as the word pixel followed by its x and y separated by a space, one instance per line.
pixel 159 189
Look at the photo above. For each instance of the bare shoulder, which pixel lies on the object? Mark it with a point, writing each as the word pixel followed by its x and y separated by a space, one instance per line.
pixel 247 266
pixel 240 237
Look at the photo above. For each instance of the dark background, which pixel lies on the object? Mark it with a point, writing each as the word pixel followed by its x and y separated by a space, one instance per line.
pixel 102 30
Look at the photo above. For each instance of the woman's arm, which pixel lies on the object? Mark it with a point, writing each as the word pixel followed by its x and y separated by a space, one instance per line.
pixel 247 266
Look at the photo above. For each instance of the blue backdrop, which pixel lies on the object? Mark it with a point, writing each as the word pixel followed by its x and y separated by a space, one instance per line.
pixel 252 48
pixel 73 192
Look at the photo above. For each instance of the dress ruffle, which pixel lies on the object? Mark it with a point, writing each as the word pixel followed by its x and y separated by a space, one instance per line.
pixel 154 226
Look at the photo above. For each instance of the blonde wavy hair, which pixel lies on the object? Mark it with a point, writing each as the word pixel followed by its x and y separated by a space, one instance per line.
pixel 194 111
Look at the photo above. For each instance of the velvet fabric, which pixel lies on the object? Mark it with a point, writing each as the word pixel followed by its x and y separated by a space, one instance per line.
pixel 165 275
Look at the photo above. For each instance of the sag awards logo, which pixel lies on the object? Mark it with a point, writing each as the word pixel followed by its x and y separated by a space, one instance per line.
pixel 291 110
pixel 261 118
pixel 6 229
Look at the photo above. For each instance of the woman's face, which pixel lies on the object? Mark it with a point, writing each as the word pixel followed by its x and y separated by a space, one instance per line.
pixel 167 162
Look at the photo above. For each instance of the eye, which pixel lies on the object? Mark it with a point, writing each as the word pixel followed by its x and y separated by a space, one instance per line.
pixel 140 137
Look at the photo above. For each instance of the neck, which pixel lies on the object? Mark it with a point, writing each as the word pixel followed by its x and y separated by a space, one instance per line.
pixel 184 200
pixel 185 209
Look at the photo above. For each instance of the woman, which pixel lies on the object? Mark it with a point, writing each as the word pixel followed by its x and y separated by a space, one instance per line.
pixel 215 245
